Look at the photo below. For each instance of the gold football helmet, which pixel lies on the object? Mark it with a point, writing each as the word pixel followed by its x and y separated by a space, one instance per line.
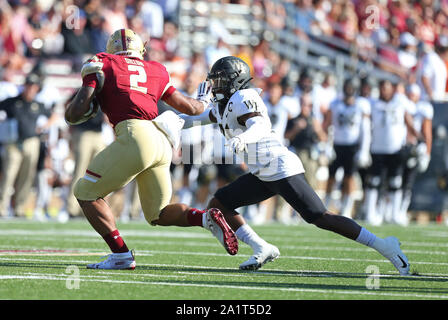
pixel 126 42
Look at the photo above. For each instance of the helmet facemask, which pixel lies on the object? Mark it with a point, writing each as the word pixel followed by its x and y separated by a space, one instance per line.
pixel 220 85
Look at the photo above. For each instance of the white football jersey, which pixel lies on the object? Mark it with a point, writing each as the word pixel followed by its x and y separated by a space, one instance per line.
pixel 347 120
pixel 388 125
pixel 268 159
pixel 424 110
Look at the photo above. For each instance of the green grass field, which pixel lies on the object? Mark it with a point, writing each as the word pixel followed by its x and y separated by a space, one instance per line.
pixel 41 261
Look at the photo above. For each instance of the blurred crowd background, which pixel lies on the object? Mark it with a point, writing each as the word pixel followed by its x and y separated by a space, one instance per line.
pixel 300 53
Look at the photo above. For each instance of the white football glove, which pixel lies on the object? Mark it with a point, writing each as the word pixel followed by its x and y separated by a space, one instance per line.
pixel 421 149
pixel 94 65
pixel 363 159
pixel 205 93
pixel 423 163
pixel 237 145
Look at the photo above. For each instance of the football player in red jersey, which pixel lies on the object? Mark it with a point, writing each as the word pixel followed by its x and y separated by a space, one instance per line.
pixel 128 88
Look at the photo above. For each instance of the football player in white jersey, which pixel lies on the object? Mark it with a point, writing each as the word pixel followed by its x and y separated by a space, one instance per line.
pixel 350 118
pixel 420 150
pixel 242 116
pixel 391 122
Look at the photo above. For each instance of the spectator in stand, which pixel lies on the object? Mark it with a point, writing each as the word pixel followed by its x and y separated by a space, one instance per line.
pixel 197 64
pixel 245 53
pixel 427 27
pixel 215 52
pixel 97 32
pixel 304 18
pixel 432 74
pixel 169 8
pixel 170 39
pixel 399 11
pixel 259 59
pixel 321 24
pixel 275 14
pixel 346 24
pixel 151 14
pixel 365 44
pixel 115 16
pixel 407 55
pixel 76 41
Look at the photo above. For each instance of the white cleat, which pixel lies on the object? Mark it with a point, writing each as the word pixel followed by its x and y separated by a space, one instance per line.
pixel 391 250
pixel 261 256
pixel 117 261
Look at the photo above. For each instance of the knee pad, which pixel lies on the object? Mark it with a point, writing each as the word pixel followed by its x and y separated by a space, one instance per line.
pixel 374 182
pixel 395 183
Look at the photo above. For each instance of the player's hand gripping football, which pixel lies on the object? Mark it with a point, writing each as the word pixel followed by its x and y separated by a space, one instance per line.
pixel 205 93
pixel 94 65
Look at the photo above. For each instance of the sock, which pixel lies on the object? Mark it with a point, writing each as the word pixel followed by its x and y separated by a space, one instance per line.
pixel 115 242
pixel 396 199
pixel 246 234
pixel 347 206
pixel 406 202
pixel 371 203
pixel 366 237
pixel 195 217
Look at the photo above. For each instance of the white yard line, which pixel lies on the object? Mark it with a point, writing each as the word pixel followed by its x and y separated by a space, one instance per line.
pixel 163 252
pixel 331 245
pixel 225 286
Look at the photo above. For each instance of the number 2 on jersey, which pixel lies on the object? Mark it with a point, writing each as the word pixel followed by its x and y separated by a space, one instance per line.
pixel 135 79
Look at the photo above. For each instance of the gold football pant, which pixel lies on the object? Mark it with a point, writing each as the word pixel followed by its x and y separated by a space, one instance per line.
pixel 140 151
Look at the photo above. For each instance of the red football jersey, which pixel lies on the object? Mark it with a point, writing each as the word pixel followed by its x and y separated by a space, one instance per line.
pixel 131 88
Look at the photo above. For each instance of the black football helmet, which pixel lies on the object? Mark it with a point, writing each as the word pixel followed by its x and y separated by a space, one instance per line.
pixel 227 76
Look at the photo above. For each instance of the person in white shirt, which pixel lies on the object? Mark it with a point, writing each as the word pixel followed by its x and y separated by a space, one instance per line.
pixel 279 110
pixel 391 121
pixel 419 149
pixel 433 73
pixel 242 117
pixel 323 95
pixel 350 118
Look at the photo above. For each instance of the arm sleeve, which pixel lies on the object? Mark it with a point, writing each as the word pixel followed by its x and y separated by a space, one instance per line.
pixel 199 120
pixel 257 127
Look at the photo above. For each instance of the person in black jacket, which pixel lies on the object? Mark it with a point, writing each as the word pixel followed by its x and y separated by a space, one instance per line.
pixel 22 151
